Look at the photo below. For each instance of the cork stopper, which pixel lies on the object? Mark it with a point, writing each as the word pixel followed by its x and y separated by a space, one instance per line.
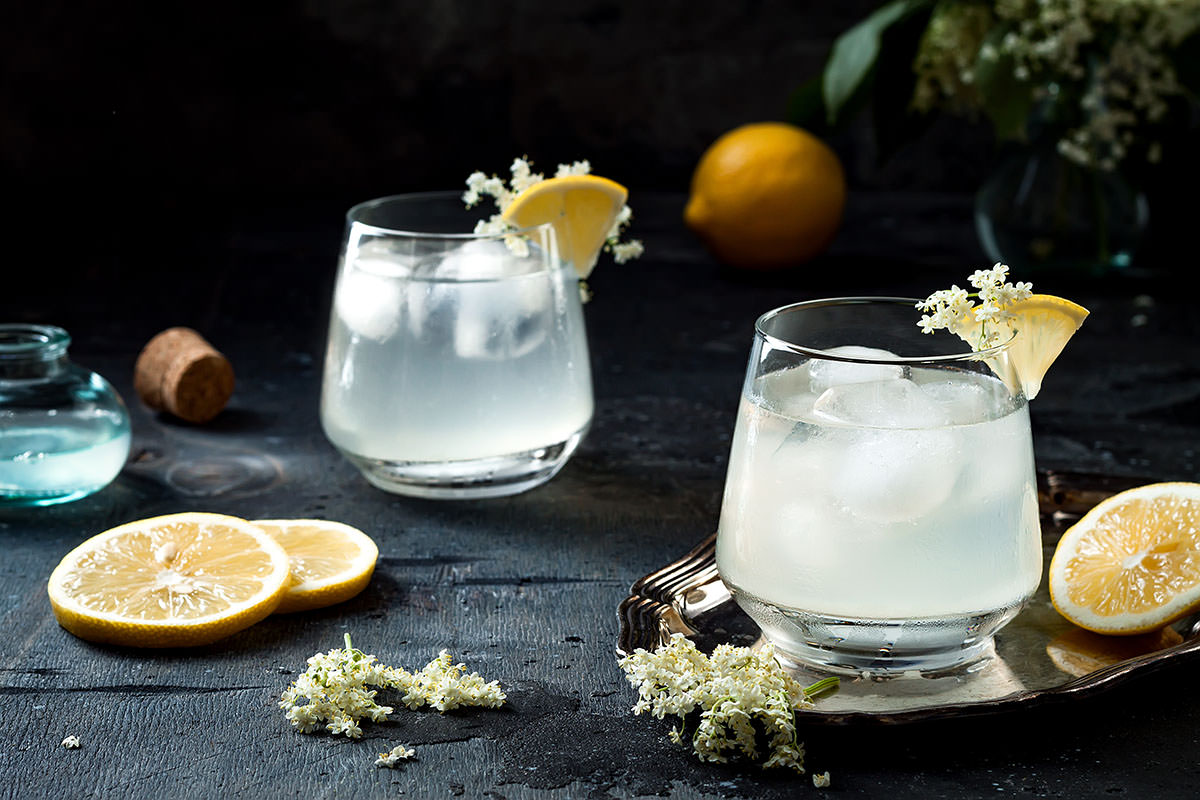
pixel 179 372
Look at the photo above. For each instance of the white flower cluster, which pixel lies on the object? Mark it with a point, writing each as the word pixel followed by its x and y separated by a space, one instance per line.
pixel 953 310
pixel 446 686
pixel 1112 58
pixel 334 690
pixel 394 756
pixel 945 61
pixel 480 185
pixel 739 692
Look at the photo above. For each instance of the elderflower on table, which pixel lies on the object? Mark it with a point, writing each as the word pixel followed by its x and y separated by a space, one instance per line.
pixel 335 690
pixel 738 691
pixel 952 309
pixel 394 756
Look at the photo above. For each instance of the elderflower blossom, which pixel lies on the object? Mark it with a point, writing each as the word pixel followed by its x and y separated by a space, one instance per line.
pixel 1106 62
pixel 334 690
pixel 953 310
pixel 394 756
pixel 740 694
pixel 481 185
pixel 821 780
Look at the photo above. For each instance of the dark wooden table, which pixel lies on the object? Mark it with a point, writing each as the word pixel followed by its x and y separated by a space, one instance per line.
pixel 525 589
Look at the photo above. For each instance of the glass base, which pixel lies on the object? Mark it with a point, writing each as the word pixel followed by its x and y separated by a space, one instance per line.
pixel 852 646
pixel 496 476
pixel 10 499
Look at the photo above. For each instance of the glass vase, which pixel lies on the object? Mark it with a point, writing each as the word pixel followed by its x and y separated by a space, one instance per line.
pixel 1042 212
pixel 64 431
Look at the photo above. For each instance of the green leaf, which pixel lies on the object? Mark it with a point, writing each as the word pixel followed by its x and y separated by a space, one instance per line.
pixel 853 58
pixel 806 107
pixel 1006 99
pixel 893 83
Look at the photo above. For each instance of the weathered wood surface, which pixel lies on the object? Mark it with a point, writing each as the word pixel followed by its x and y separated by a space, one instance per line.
pixel 526 589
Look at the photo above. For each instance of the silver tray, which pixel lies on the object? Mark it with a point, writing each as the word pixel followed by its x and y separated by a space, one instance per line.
pixel 1039 657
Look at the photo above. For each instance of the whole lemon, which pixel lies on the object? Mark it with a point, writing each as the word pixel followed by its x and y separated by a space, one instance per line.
pixel 766 195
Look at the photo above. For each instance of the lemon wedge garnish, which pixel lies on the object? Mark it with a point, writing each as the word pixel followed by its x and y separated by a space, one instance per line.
pixel 330 561
pixel 1043 324
pixel 1132 564
pixel 174 581
pixel 582 210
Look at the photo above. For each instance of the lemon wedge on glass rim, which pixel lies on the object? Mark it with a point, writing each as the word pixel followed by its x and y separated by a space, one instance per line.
pixel 1043 324
pixel 330 561
pixel 1132 563
pixel 173 581
pixel 581 208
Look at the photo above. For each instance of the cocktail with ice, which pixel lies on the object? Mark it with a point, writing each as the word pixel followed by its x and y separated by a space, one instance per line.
pixel 880 509
pixel 457 363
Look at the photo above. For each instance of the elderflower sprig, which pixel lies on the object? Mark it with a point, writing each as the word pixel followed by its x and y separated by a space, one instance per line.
pixel 953 310
pixel 334 690
pixel 481 185
pixel 740 693
pixel 1106 66
pixel 394 756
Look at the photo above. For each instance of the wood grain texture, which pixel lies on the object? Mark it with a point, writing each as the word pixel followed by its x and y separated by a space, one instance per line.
pixel 525 589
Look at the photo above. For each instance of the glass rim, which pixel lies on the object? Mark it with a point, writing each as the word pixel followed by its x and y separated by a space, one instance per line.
pixel 438 195
pixel 32 340
pixel 799 349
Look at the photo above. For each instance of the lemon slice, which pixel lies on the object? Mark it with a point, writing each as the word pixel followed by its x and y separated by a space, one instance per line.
pixel 582 209
pixel 1044 324
pixel 1132 564
pixel 330 561
pixel 174 581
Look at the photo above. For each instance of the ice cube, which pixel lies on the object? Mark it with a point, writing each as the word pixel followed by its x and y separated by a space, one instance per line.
pixel 369 295
pixel 892 404
pixel 482 260
pixel 826 373
pixel 505 309
pixel 893 476
pixel 963 400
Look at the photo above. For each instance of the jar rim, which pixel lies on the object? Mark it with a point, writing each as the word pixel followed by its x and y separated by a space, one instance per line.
pixel 24 340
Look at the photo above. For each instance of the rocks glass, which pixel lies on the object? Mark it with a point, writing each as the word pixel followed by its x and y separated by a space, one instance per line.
pixel 880 509
pixel 457 362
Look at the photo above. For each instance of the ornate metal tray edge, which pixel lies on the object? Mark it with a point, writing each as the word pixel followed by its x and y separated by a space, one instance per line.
pixel 671 599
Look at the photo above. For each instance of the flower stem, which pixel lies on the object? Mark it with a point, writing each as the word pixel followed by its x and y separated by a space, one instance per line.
pixel 823 686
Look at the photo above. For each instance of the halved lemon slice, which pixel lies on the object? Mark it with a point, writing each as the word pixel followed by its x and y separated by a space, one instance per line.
pixel 582 209
pixel 1044 324
pixel 173 581
pixel 331 562
pixel 1132 564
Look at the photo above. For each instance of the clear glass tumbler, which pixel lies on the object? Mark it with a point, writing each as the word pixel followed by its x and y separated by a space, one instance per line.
pixel 880 509
pixel 457 363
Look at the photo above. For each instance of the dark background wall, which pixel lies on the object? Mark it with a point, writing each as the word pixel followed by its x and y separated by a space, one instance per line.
pixel 127 129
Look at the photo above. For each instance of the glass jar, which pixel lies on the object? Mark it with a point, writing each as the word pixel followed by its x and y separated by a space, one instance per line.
pixel 64 431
